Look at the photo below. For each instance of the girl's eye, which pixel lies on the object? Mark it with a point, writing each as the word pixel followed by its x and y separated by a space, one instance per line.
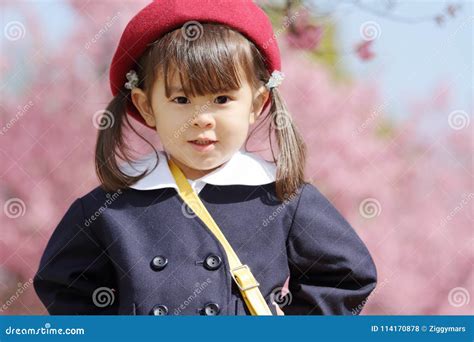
pixel 222 99
pixel 180 100
pixel 184 100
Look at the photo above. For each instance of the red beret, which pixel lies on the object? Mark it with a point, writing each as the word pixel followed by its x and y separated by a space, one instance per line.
pixel 163 16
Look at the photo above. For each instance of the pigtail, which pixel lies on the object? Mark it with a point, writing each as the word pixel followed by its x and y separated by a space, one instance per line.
pixel 111 145
pixel 292 148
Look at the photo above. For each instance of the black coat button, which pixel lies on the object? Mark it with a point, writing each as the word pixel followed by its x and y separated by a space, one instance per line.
pixel 158 263
pixel 159 310
pixel 211 309
pixel 212 262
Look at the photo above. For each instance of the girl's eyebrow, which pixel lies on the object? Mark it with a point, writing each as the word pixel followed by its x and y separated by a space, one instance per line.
pixel 179 89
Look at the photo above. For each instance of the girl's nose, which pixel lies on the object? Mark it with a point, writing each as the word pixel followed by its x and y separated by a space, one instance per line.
pixel 204 120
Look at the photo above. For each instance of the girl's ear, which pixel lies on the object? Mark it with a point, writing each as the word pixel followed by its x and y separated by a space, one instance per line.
pixel 259 100
pixel 140 100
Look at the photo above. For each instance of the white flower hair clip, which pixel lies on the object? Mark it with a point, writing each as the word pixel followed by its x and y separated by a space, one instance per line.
pixel 275 79
pixel 132 78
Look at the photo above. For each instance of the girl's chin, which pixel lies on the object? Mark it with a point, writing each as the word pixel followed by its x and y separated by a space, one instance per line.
pixel 206 166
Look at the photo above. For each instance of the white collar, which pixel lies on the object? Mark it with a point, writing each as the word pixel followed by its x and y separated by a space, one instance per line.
pixel 243 168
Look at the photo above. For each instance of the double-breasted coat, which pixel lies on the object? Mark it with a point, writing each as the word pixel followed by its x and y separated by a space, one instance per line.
pixel 140 251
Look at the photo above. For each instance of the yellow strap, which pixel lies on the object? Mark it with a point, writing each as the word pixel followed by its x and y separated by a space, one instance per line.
pixel 241 274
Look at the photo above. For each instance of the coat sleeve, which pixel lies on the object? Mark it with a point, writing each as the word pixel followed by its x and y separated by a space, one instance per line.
pixel 75 275
pixel 331 270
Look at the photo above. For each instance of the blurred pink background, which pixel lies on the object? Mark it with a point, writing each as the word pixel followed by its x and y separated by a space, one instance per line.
pixel 387 121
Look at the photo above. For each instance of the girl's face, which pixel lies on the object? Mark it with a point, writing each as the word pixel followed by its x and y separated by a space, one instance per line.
pixel 222 118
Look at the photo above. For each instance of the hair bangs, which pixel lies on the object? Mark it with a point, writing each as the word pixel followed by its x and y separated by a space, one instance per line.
pixel 219 60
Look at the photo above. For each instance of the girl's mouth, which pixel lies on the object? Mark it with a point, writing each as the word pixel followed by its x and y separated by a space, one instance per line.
pixel 203 145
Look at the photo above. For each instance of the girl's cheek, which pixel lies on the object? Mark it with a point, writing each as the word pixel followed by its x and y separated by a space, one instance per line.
pixel 171 124
pixel 234 119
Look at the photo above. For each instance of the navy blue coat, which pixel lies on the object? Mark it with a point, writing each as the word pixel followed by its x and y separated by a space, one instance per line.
pixel 138 253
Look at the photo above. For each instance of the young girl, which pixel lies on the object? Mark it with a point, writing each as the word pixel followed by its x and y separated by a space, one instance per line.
pixel 200 73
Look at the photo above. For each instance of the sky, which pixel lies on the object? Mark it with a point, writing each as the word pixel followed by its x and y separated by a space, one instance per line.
pixel 412 58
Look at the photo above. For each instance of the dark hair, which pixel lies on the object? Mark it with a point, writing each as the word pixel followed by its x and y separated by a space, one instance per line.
pixel 207 65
